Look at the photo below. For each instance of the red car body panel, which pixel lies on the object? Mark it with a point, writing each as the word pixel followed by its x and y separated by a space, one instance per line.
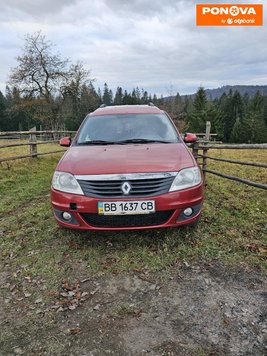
pixel 126 109
pixel 123 159
pixel 137 158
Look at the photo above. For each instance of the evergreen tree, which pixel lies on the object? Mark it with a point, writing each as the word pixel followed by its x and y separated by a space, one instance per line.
pixel 240 131
pixel 144 97
pixel 188 105
pixel 3 113
pixel 126 98
pixel 133 97
pixel 138 95
pixel 99 93
pixel 226 106
pixel 251 128
pixel 257 128
pixel 107 95
pixel 265 109
pixel 21 110
pixel 118 99
pixel 199 115
pixel 179 107
pixel 216 118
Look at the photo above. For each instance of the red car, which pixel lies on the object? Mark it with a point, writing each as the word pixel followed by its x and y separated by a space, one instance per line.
pixel 127 168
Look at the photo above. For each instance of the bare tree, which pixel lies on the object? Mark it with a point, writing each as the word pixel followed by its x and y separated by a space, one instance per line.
pixel 45 77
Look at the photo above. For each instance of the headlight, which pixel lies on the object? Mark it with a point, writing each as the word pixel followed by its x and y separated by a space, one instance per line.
pixel 186 178
pixel 66 182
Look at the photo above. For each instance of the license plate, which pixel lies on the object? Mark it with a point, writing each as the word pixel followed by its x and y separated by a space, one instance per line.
pixel 126 207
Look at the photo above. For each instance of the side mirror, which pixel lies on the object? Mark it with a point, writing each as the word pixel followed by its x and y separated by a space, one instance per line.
pixel 65 141
pixel 190 138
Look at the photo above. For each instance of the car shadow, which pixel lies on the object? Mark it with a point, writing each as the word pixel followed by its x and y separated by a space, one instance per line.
pixel 150 238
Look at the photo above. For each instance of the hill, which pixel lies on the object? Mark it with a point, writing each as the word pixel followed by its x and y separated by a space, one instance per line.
pixel 251 90
pixel 212 94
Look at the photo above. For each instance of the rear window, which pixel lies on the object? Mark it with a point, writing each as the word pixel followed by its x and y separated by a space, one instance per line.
pixel 115 128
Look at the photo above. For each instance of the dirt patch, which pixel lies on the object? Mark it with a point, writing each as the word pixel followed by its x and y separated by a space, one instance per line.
pixel 197 310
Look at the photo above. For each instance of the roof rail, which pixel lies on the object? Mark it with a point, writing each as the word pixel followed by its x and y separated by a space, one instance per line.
pixel 150 104
pixel 102 105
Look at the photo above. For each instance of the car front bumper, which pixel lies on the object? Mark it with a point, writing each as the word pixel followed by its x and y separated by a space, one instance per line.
pixel 169 211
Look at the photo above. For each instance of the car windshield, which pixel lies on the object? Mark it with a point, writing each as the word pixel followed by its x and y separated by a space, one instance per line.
pixel 128 128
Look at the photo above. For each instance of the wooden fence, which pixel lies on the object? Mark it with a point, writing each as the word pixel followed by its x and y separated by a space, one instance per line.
pixel 35 138
pixel 206 146
pixel 200 150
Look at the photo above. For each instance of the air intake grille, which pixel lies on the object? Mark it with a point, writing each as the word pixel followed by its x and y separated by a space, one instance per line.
pixel 139 187
pixel 157 218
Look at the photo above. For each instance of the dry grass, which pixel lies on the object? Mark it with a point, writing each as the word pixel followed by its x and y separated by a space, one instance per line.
pixel 248 172
pixel 232 229
pixel 9 152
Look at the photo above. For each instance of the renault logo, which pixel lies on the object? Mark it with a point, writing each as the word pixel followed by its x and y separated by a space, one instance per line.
pixel 126 188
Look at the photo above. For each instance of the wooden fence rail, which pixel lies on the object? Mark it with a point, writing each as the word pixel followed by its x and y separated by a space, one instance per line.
pixel 17 133
pixel 33 143
pixel 205 147
pixel 236 146
pixel 28 143
pixel 261 165
pixel 237 179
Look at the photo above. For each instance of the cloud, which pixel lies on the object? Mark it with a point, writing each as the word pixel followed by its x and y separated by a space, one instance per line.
pixel 37 8
pixel 154 45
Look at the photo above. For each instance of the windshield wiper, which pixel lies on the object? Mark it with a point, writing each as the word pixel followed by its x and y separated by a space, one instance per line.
pixel 123 142
pixel 141 140
pixel 97 142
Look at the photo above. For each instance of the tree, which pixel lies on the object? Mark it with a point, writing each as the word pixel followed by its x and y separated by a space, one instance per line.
pixel 144 97
pixel 265 109
pixel 199 115
pixel 251 128
pixel 232 107
pixel 126 98
pixel 19 111
pixel 255 120
pixel 3 113
pixel 78 104
pixel 45 77
pixel 118 96
pixel 107 95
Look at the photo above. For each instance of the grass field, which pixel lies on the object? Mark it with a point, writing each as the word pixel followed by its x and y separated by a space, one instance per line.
pixel 232 229
pixel 41 264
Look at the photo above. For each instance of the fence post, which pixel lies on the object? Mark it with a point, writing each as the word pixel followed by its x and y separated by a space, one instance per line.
pixel 205 148
pixel 207 134
pixel 33 142
pixel 195 150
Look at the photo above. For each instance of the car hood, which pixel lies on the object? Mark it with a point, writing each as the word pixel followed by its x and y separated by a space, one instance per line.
pixel 133 158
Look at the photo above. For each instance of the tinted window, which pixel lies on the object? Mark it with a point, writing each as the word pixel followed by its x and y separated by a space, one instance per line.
pixel 126 127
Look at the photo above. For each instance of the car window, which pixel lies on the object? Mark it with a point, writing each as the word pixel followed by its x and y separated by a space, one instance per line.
pixel 119 127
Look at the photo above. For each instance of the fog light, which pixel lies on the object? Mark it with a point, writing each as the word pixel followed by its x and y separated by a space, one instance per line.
pixel 188 212
pixel 66 216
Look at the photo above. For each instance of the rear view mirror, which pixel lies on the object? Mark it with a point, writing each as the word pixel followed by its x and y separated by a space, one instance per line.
pixel 190 138
pixel 65 141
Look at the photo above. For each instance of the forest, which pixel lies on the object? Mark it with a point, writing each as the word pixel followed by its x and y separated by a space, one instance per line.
pixel 49 92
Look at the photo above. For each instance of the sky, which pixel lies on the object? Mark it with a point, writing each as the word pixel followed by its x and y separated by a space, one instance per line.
pixel 152 44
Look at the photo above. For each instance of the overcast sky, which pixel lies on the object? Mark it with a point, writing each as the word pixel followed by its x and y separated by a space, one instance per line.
pixel 153 44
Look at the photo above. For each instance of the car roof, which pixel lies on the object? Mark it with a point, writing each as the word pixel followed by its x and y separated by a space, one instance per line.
pixel 126 109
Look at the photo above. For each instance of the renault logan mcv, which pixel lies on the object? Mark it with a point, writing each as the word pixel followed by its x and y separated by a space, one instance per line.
pixel 127 168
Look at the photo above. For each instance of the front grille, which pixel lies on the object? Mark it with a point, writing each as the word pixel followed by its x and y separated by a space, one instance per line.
pixel 157 218
pixel 139 187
